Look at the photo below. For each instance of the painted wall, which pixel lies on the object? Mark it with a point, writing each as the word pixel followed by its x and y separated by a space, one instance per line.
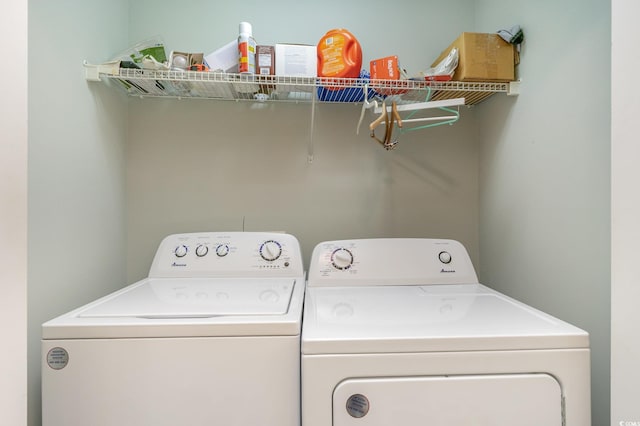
pixel 625 211
pixel 13 216
pixel 77 134
pixel 199 165
pixel 416 32
pixel 544 171
pixel 226 175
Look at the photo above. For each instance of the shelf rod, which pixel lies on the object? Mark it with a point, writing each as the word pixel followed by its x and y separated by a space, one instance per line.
pixel 425 105
pixel 313 119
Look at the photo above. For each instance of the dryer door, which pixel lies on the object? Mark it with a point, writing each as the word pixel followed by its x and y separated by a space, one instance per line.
pixel 496 400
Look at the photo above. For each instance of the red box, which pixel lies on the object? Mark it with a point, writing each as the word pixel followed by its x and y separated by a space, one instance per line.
pixel 386 68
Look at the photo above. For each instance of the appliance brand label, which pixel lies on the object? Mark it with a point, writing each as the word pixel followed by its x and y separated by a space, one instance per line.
pixel 57 358
pixel 357 405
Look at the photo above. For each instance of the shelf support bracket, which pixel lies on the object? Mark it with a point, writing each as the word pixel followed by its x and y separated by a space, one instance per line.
pixel 92 72
pixel 514 88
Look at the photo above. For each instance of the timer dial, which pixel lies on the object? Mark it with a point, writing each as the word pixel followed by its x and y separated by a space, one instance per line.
pixel 342 259
pixel 202 250
pixel 222 250
pixel 270 250
pixel 445 257
pixel 181 251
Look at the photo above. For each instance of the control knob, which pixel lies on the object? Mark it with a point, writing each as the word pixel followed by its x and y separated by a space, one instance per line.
pixel 342 259
pixel 202 250
pixel 270 250
pixel 181 251
pixel 222 250
pixel 445 257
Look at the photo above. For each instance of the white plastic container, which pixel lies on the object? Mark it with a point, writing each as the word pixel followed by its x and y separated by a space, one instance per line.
pixel 246 49
pixel 224 59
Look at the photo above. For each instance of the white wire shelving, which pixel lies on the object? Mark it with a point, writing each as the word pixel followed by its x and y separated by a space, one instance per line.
pixel 311 90
pixel 239 87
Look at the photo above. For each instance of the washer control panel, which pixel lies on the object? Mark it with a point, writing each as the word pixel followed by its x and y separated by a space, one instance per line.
pixel 390 261
pixel 213 254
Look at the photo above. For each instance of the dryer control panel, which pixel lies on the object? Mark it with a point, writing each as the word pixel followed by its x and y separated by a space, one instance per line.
pixel 390 261
pixel 228 254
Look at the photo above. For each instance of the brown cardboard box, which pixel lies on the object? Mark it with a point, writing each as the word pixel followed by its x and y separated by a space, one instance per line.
pixel 482 57
pixel 265 60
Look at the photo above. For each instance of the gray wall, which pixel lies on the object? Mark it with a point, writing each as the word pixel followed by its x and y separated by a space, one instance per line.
pixel 226 173
pixel 77 134
pixel 194 165
pixel 544 171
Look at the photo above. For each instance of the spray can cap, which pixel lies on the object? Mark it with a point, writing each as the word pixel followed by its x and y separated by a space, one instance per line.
pixel 245 28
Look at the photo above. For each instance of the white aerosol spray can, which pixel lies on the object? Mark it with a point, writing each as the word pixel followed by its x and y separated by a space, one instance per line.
pixel 246 50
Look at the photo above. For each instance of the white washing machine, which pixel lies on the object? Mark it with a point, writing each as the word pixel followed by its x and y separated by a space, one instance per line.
pixel 400 332
pixel 211 337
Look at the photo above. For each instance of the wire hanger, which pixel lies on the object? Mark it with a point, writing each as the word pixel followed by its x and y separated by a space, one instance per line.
pixel 390 116
pixel 443 105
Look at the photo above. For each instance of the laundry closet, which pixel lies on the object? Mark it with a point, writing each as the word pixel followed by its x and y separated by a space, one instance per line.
pixel 522 181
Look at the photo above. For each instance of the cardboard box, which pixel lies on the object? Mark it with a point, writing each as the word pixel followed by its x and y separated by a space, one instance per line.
pixel 296 60
pixel 265 60
pixel 482 57
pixel 386 68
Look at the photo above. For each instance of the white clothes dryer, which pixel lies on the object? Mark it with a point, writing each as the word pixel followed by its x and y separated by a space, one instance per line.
pixel 400 332
pixel 212 336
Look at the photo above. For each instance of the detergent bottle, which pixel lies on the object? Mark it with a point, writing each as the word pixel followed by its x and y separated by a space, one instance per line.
pixel 339 55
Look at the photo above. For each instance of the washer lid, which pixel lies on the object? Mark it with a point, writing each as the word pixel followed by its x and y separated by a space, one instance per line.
pixel 427 318
pixel 188 307
pixel 158 298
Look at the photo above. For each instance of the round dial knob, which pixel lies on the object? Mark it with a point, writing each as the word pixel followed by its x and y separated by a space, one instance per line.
pixel 270 250
pixel 181 251
pixel 222 250
pixel 202 250
pixel 342 259
pixel 445 257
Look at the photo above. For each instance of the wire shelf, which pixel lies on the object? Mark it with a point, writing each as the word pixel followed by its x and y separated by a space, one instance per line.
pixel 226 86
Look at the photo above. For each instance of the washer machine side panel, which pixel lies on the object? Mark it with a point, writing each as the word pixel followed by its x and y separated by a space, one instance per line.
pixel 321 374
pixel 232 381
pixel 497 400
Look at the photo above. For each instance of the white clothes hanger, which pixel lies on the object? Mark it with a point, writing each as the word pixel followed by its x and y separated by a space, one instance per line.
pixel 366 105
pixel 424 105
pixel 443 105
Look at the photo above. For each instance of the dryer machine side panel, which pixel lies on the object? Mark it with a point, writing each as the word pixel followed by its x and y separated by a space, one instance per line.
pixel 497 400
